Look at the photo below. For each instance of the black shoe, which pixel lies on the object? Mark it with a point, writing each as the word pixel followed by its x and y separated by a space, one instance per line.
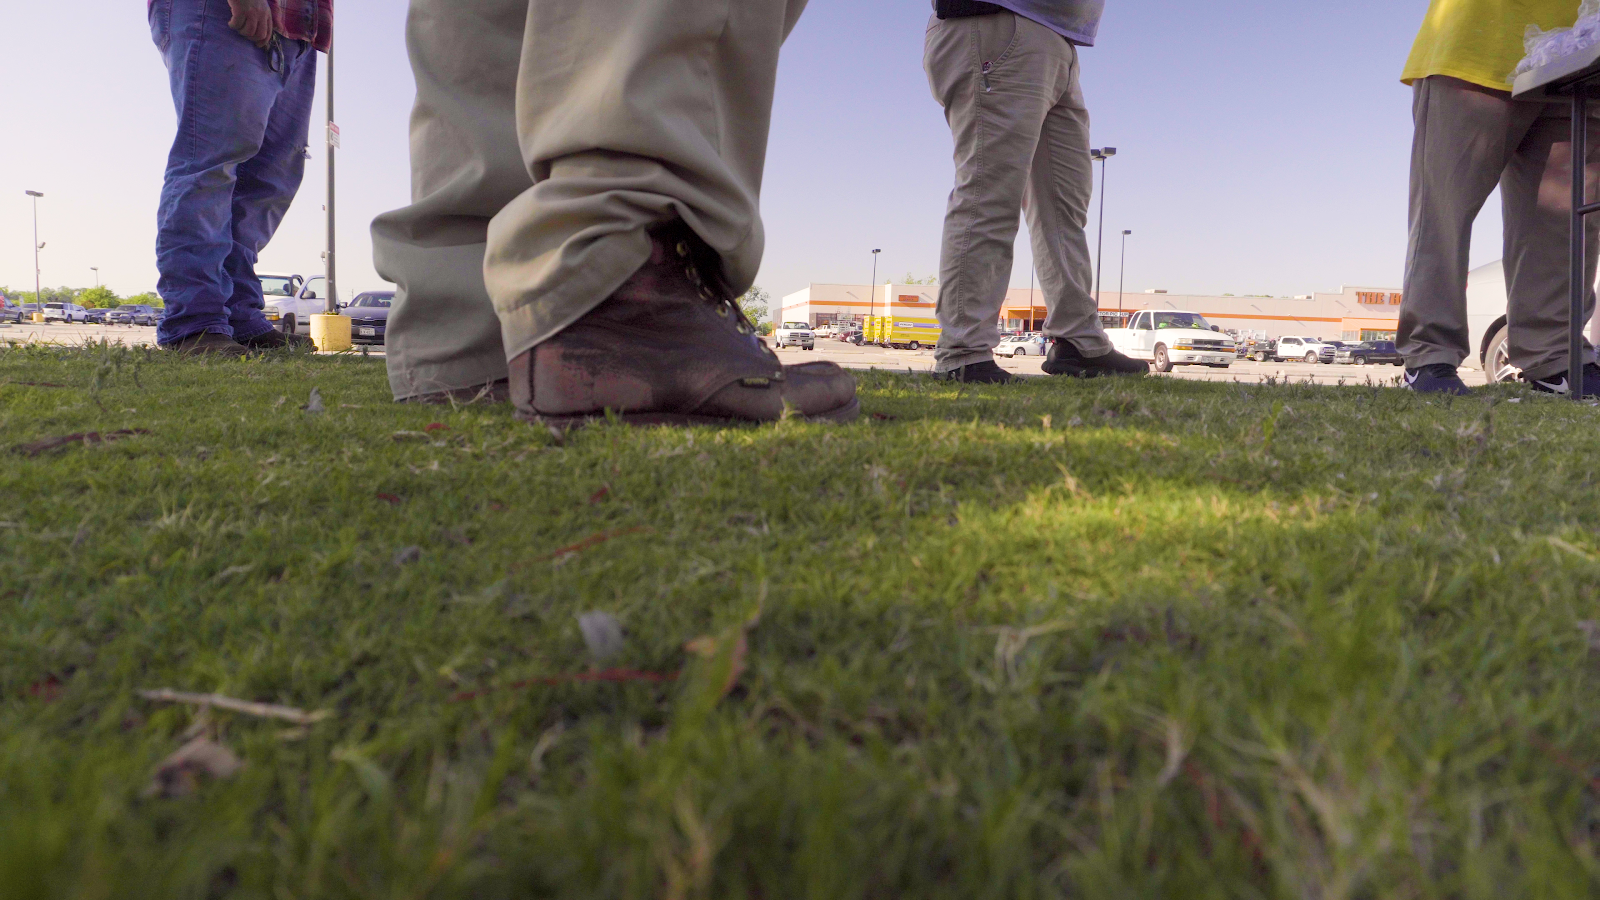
pixel 1558 384
pixel 1064 359
pixel 986 372
pixel 1439 378
pixel 207 343
pixel 277 340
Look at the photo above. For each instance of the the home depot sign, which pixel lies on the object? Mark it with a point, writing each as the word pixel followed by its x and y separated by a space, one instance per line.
pixel 1378 298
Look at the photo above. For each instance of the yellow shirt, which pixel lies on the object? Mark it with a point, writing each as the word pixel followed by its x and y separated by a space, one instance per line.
pixel 1481 40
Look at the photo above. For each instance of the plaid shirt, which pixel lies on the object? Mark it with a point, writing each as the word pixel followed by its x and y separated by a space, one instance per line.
pixel 300 20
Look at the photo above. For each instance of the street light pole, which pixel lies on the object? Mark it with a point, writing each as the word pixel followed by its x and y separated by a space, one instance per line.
pixel 37 299
pixel 872 296
pixel 1101 155
pixel 1122 281
pixel 333 147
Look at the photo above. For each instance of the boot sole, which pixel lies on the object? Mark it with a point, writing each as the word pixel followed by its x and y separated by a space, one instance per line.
pixel 847 413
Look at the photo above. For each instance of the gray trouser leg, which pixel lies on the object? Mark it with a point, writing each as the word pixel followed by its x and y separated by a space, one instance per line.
pixel 1468 139
pixel 443 333
pixel 1009 88
pixel 1535 191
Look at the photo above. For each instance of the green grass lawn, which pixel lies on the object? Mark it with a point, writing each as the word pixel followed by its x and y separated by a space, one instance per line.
pixel 1086 639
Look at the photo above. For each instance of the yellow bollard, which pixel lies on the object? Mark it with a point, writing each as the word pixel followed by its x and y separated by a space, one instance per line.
pixel 330 333
pixel 38 318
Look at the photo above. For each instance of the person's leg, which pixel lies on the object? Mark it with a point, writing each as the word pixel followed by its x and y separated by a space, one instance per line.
pixel 223 89
pixel 997 76
pixel 1059 188
pixel 616 276
pixel 1536 192
pixel 1464 139
pixel 443 334
pixel 632 113
pixel 267 184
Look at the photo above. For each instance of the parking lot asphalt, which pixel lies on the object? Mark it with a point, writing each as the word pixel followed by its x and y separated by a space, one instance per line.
pixel 76 335
pixel 1244 371
pixel 847 355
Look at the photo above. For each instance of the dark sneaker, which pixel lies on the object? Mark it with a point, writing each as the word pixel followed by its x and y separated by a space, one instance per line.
pixel 669 347
pixel 277 340
pixel 1439 378
pixel 207 343
pixel 1064 359
pixel 493 392
pixel 1561 384
pixel 986 372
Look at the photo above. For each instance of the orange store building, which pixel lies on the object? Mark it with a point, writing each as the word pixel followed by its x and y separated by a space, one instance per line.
pixel 1355 313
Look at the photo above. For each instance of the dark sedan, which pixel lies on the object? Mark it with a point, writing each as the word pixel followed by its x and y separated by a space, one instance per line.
pixel 369 315
pixel 95 316
pixel 1330 349
pixel 1369 353
pixel 133 314
pixel 18 313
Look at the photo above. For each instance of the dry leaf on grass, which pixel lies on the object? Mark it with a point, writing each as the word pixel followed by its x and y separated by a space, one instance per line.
pixel 732 644
pixel 603 633
pixel 179 774
pixel 314 404
pixel 248 707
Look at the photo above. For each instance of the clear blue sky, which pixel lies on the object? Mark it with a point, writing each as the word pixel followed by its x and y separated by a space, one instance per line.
pixel 1262 145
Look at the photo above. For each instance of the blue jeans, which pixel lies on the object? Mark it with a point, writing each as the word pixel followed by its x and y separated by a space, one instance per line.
pixel 244 115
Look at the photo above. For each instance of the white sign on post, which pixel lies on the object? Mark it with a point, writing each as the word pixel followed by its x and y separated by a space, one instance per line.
pixel 333 135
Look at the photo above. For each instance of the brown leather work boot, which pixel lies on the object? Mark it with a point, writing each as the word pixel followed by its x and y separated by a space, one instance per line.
pixel 670 346
pixel 821 391
pixel 207 343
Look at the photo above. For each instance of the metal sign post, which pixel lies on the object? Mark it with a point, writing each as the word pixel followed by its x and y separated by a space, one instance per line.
pixel 333 148
pixel 1574 78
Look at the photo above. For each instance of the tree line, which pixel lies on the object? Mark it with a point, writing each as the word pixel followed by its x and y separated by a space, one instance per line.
pixel 89 298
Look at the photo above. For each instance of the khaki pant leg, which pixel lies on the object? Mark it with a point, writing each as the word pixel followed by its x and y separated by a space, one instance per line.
pixel 443 332
pixel 997 77
pixel 1465 136
pixel 1536 192
pixel 631 113
pixel 1057 207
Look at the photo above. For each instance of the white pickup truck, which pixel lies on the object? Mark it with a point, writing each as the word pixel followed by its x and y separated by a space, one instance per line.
pixel 794 334
pixel 291 301
pixel 1170 338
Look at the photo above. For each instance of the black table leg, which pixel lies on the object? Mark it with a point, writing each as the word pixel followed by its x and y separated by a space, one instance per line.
pixel 1578 290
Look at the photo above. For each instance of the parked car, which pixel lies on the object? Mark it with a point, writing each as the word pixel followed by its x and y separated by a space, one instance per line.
pixel 1304 349
pixel 1021 345
pixel 369 316
pixel 848 335
pixel 1329 348
pixel 133 314
pixel 96 316
pixel 1369 353
pixel 19 313
pixel 1258 349
pixel 290 300
pixel 794 334
pixel 65 312
pixel 1173 338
